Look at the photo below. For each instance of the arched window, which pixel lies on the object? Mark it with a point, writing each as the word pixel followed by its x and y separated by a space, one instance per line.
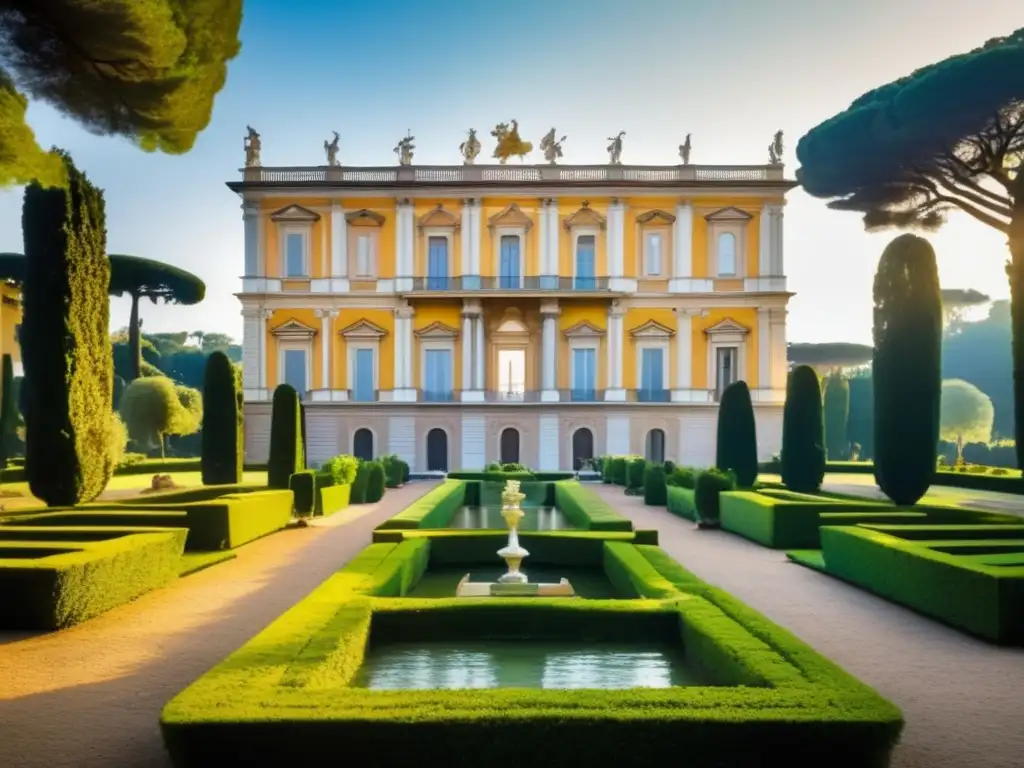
pixel 727 253
pixel 362 444
pixel 509 448
pixel 655 448
pixel 437 450
pixel 582 447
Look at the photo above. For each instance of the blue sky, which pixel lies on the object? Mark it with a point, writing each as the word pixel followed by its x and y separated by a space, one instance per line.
pixel 731 72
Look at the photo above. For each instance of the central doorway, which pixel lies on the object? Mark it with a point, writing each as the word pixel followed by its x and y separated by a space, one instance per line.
pixel 509 446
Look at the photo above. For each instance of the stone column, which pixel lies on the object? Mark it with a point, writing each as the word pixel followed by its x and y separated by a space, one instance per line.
pixel 404 242
pixel 252 351
pixel 326 320
pixel 614 390
pixel 682 390
pixel 465 242
pixel 404 390
pixel 549 352
pixel 466 340
pixel 682 249
pixel 543 241
pixel 265 315
pixel 777 260
pixel 479 353
pixel 553 231
pixel 779 363
pixel 474 241
pixel 339 249
pixel 764 348
pixel 764 241
pixel 251 222
pixel 613 249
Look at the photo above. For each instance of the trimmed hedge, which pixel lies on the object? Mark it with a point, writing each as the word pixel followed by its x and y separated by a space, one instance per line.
pixel 286 458
pixel 654 486
pixel 184 495
pixel 70 448
pixel 222 435
pixel 586 510
pixel 708 488
pixel 48 583
pixel 682 502
pixel 288 694
pixel 303 487
pixel 228 522
pixel 331 498
pixel 984 599
pixel 546 477
pixel 434 509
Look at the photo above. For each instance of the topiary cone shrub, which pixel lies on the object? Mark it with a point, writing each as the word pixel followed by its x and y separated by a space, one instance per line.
pixel 376 479
pixel 70 446
pixel 285 437
pixel 906 368
pixel 222 437
pixel 620 470
pixel 635 474
pixel 707 487
pixel 836 415
pixel 737 435
pixel 803 447
pixel 655 493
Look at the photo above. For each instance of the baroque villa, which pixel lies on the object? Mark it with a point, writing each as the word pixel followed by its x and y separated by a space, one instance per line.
pixel 459 315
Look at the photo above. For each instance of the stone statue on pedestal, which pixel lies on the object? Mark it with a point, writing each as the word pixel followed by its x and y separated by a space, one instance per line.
pixel 552 149
pixel 331 148
pixel 775 149
pixel 684 150
pixel 470 148
pixel 252 146
pixel 404 149
pixel 615 149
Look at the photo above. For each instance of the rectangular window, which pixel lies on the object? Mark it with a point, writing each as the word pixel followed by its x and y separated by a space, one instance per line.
pixel 726 368
pixel 510 267
pixel 437 263
pixel 295 370
pixel 584 374
pixel 295 255
pixel 652 375
pixel 585 262
pixel 652 254
pixel 364 256
pixel 362 378
pixel 437 384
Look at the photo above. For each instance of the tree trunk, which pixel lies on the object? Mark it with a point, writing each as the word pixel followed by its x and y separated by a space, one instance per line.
pixel 134 341
pixel 1015 271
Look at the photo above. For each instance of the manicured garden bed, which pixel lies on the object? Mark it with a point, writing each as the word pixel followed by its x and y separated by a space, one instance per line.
pixel 51 578
pixel 293 694
pixel 968 576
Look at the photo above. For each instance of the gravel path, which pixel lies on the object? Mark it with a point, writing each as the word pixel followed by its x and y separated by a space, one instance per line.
pixel 91 695
pixel 963 699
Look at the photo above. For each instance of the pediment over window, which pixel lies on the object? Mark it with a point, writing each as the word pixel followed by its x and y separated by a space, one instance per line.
pixel 585 217
pixel 726 326
pixel 364 218
pixel 584 330
pixel 656 216
pixel 512 216
pixel 363 329
pixel 728 214
pixel 439 218
pixel 294 330
pixel 652 329
pixel 437 330
pixel 295 213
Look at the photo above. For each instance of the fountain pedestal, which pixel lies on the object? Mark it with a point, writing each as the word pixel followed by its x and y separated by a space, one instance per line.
pixel 513 583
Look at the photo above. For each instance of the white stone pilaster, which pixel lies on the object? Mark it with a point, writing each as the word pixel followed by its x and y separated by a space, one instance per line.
pixel 339 249
pixel 698 437
pixel 764 241
pixel 466 241
pixel 617 435
pixel 404 391
pixel 253 246
pixel 682 391
pixel 779 365
pixel 682 249
pixel 474 441
pixel 614 390
pixel 402 439
pixel 252 352
pixel 554 261
pixel 764 348
pixel 549 351
pixel 466 340
pixel 326 319
pixel 265 315
pixel 543 240
pixel 549 443
pixel 474 242
pixel 479 353
pixel 614 245
pixel 404 241
pixel 777 258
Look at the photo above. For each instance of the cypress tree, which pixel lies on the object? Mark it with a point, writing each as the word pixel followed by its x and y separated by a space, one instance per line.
pixel 860 425
pixel 69 455
pixel 907 368
pixel 222 437
pixel 737 435
pixel 837 413
pixel 8 412
pixel 285 437
pixel 803 439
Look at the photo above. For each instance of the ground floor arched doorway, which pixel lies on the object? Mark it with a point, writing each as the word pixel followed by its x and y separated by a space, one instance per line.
pixel 582 447
pixel 509 446
pixel 437 450
pixel 362 444
pixel 655 448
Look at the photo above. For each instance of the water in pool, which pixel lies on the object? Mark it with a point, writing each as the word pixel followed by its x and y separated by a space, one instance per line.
pixel 524 664
pixel 489 518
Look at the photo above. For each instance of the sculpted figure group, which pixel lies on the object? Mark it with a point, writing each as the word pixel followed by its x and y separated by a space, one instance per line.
pixel 509 144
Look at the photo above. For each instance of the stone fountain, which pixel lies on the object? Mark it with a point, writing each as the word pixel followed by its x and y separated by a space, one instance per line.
pixel 514 583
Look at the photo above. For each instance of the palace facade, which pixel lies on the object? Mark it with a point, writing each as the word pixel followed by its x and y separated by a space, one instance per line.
pixel 458 315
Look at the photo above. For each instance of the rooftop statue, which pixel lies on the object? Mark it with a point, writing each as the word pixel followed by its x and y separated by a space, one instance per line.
pixel 404 149
pixel 552 149
pixel 470 148
pixel 775 149
pixel 684 150
pixel 252 145
pixel 615 149
pixel 332 149
pixel 509 142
